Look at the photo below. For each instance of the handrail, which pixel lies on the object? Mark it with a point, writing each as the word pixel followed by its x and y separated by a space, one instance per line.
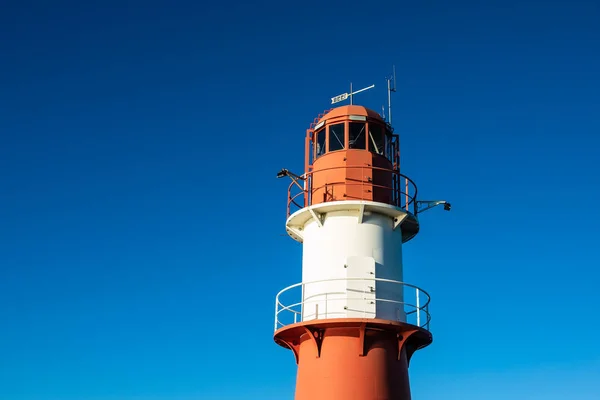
pixel 420 310
pixel 403 189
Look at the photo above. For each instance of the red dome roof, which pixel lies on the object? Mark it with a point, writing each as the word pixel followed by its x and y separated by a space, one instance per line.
pixel 351 110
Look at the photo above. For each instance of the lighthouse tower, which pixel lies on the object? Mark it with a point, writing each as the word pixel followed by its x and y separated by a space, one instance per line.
pixel 352 324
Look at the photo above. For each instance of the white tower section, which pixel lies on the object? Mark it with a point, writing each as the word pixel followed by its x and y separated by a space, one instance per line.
pixel 352 259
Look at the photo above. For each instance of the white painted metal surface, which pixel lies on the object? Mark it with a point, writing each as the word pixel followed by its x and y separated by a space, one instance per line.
pixel 297 221
pixel 342 248
pixel 351 239
pixel 289 305
pixel 360 293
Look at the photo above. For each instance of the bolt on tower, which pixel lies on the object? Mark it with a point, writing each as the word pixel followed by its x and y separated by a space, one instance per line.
pixel 352 324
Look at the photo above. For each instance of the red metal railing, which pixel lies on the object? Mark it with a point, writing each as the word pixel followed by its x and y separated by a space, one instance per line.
pixel 403 191
pixel 316 120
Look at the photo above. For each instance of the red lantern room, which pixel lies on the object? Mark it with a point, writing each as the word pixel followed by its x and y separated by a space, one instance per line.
pixel 352 153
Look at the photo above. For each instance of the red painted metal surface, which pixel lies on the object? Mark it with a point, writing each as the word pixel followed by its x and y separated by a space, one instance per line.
pixel 344 359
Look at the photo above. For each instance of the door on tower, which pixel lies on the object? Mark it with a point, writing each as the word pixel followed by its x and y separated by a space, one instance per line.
pixel 360 287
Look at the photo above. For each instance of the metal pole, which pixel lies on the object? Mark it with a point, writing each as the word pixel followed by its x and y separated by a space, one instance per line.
pixel 302 304
pixel 418 310
pixel 406 188
pixel 389 102
pixel 276 309
pixel 350 93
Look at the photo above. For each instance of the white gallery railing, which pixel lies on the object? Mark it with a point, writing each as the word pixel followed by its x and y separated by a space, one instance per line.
pixel 352 298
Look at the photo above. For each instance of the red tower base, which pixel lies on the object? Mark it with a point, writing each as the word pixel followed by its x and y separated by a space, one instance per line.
pixel 345 359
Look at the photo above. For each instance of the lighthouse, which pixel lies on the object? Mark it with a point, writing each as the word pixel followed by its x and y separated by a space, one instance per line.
pixel 352 323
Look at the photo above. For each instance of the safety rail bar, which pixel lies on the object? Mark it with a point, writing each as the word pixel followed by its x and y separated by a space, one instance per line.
pixel 403 189
pixel 318 118
pixel 416 314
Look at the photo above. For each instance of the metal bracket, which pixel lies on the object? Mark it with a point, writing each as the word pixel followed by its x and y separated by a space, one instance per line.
pixel 361 213
pixel 424 205
pixel 398 220
pixel 317 339
pixel 402 338
pixel 361 339
pixel 296 232
pixel 293 346
pixel 318 217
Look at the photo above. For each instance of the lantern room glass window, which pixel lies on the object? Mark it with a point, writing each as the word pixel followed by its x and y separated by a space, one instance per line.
pixel 357 136
pixel 320 144
pixel 337 138
pixel 376 139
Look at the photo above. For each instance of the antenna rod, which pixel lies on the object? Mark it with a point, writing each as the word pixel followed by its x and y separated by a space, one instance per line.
pixel 389 101
pixel 390 90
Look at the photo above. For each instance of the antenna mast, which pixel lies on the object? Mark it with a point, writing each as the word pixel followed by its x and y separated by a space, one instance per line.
pixel 390 90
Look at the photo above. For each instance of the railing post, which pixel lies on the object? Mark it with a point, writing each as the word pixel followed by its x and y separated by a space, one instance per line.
pixel 418 310
pixel 302 304
pixel 305 184
pixel 326 304
pixel 317 311
pixel 406 188
pixel 276 310
pixel 309 188
pixel 289 200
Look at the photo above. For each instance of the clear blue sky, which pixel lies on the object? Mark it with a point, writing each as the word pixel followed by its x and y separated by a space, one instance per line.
pixel 142 235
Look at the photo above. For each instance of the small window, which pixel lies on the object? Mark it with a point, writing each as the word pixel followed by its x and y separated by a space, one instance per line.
pixel 376 139
pixel 336 137
pixel 320 145
pixel 358 138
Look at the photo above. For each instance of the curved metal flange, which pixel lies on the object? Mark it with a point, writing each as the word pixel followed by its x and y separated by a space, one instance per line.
pixel 407 221
pixel 317 338
pixel 410 337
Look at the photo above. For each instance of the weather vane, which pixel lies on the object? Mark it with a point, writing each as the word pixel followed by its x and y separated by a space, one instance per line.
pixel 345 96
